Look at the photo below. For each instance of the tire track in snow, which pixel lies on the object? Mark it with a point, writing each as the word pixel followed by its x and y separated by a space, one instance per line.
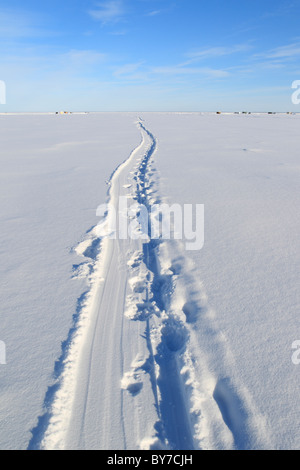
pixel 53 426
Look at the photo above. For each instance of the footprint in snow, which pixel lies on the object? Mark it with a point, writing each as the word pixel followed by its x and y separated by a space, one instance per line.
pixel 131 380
pixel 132 383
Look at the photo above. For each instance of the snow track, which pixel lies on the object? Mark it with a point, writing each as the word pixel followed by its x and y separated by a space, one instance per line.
pixel 132 374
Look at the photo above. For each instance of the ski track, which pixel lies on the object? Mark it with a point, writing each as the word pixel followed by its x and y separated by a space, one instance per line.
pixel 132 373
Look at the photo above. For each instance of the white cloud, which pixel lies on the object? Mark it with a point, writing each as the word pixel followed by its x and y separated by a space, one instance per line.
pixel 154 13
pixel 16 24
pixel 212 52
pixel 118 33
pixel 108 12
pixel 288 51
pixel 179 70
pixel 127 69
pixel 282 57
pixel 84 57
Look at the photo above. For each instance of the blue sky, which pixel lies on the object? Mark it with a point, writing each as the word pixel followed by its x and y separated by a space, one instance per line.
pixel 149 55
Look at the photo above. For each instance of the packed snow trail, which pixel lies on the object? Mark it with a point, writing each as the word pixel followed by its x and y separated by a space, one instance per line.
pixel 132 373
pixel 107 394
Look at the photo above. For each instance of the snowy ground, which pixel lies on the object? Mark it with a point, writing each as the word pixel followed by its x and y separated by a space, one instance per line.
pixel 125 344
